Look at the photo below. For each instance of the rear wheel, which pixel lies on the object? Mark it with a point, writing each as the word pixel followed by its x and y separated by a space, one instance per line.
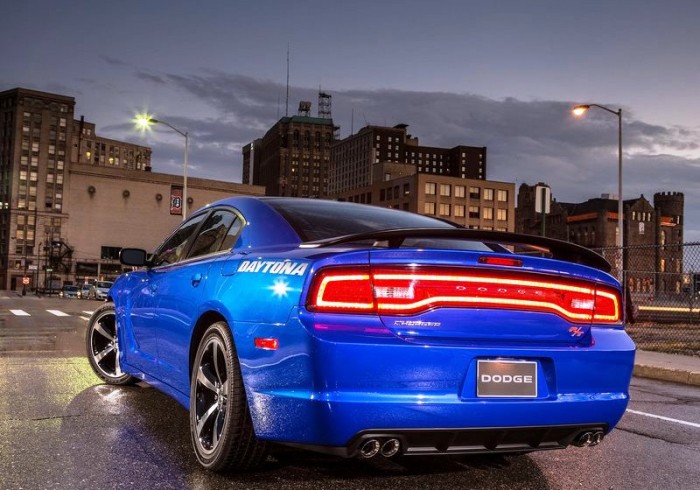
pixel 220 424
pixel 102 346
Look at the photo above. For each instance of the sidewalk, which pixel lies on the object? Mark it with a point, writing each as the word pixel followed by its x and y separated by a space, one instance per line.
pixel 667 367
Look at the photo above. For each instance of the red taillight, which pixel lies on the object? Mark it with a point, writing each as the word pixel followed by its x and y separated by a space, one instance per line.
pixel 411 291
pixel 340 290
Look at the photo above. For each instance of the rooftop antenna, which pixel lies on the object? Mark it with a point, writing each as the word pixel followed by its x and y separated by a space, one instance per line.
pixel 286 111
pixel 352 121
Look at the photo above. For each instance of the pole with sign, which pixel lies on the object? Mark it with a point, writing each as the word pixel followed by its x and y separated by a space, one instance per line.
pixel 543 196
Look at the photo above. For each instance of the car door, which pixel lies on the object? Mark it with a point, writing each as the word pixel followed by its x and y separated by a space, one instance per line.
pixel 182 296
pixel 143 310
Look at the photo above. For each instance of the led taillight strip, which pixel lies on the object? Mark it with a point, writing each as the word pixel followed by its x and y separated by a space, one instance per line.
pixel 350 291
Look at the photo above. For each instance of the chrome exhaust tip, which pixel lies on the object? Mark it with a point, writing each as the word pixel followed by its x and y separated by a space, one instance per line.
pixel 370 448
pixel 596 438
pixel 584 439
pixel 390 448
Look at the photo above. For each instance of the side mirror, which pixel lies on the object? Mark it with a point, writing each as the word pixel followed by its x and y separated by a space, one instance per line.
pixel 135 257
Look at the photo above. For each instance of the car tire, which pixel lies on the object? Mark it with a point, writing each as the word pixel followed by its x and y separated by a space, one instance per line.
pixel 102 347
pixel 220 424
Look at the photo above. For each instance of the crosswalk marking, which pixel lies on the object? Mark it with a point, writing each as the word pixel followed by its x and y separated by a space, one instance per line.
pixel 19 312
pixel 58 313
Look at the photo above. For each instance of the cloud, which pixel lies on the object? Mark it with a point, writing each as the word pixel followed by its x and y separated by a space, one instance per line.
pixel 528 140
pixel 113 61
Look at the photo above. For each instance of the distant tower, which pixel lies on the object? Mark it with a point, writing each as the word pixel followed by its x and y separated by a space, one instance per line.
pixel 304 108
pixel 324 105
pixel 669 235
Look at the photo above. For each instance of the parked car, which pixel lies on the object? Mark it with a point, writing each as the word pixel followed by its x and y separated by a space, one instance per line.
pixel 363 331
pixel 85 291
pixel 69 292
pixel 99 290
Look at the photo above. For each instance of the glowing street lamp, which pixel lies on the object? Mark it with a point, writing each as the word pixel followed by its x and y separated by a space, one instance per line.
pixel 580 110
pixel 144 121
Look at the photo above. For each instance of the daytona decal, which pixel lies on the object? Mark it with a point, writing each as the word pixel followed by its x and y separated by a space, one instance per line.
pixel 273 267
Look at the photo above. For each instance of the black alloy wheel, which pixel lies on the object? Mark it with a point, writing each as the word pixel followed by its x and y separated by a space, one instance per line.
pixel 102 346
pixel 220 424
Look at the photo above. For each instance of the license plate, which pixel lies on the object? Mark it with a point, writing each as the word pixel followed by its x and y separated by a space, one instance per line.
pixel 511 379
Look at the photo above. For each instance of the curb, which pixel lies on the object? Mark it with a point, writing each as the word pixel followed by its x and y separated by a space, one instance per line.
pixel 667 374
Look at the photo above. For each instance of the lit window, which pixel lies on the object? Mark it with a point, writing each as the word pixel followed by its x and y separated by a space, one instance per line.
pixel 445 190
pixel 429 208
pixel 502 196
pixel 430 189
pixel 459 191
pixel 502 214
pixel 444 209
pixel 487 213
pixel 488 194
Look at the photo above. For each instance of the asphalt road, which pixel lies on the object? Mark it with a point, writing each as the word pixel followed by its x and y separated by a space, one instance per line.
pixel 61 428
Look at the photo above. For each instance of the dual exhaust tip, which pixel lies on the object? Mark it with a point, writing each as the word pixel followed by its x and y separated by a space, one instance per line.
pixel 589 438
pixel 385 447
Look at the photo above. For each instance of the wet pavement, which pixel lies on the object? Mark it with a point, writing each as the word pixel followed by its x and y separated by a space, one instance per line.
pixel 60 427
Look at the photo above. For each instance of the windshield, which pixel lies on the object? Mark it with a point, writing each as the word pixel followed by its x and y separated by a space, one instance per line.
pixel 104 284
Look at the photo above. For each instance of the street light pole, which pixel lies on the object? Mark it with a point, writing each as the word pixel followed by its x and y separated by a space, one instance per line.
pixel 144 122
pixel 580 110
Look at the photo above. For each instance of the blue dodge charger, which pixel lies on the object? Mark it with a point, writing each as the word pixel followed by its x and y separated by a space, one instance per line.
pixel 367 332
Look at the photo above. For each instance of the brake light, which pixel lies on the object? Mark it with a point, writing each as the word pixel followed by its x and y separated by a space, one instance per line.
pixel 397 291
pixel 342 290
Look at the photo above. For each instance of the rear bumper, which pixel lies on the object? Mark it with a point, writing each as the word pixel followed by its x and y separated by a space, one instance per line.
pixel 425 442
pixel 327 394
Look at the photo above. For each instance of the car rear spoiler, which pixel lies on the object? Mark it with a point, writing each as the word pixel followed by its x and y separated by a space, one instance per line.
pixel 550 247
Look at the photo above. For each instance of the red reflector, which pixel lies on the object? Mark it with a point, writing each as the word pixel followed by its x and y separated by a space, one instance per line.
pixel 501 261
pixel 267 344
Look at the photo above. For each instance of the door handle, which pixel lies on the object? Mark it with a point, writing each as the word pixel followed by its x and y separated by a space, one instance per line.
pixel 196 279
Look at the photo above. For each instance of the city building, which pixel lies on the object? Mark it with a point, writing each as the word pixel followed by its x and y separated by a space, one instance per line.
pixel 70 199
pixel 652 256
pixel 472 203
pixel 353 158
pixel 293 157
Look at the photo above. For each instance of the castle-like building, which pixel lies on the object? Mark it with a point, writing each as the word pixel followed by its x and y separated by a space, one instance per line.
pixel 652 257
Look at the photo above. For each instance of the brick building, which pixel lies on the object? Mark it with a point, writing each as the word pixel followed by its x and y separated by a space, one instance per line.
pixel 473 203
pixel 653 232
pixel 353 158
pixel 293 157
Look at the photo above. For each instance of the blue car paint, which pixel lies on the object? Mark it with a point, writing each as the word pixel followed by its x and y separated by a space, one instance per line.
pixel 335 376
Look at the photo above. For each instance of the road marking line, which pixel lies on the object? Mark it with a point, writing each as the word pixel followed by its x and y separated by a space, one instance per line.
pixel 88 312
pixel 661 417
pixel 19 313
pixel 86 318
pixel 58 313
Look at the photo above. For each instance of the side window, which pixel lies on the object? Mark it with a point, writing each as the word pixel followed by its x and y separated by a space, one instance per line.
pixel 173 249
pixel 232 235
pixel 214 232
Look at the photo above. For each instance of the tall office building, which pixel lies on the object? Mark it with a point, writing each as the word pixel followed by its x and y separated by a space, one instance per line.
pixel 39 139
pixel 353 158
pixel 293 157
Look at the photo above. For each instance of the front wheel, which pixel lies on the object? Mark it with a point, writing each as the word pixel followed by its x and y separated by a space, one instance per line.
pixel 102 346
pixel 220 423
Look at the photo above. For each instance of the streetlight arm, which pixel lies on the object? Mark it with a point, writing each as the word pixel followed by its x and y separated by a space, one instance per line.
pixel 617 112
pixel 159 121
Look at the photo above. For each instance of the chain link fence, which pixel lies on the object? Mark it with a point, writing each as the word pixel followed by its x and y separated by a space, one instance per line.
pixel 662 295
